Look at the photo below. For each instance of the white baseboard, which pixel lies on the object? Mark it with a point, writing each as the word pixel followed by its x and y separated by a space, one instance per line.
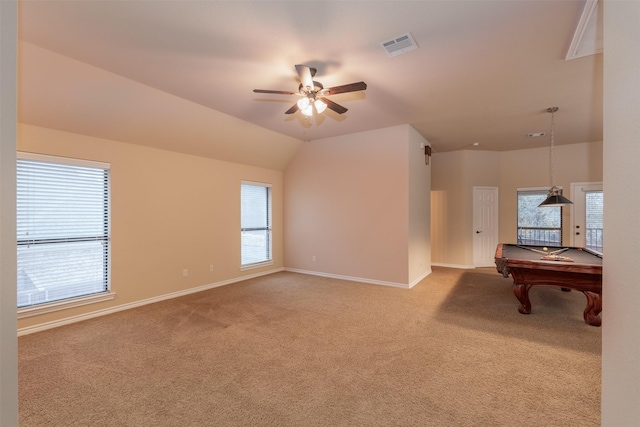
pixel 415 282
pixel 350 278
pixel 73 319
pixel 462 266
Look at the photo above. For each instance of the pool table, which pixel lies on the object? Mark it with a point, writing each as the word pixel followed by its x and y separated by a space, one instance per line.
pixel 566 267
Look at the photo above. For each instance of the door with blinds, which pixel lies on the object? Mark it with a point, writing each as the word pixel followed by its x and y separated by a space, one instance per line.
pixel 587 218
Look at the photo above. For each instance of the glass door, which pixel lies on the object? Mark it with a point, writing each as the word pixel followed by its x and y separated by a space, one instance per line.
pixel 587 215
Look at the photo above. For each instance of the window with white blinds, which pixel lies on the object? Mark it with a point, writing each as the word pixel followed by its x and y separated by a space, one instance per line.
pixel 63 228
pixel 255 223
pixel 536 225
pixel 594 205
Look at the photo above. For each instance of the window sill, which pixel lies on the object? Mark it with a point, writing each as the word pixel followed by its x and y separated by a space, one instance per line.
pixel 64 304
pixel 256 265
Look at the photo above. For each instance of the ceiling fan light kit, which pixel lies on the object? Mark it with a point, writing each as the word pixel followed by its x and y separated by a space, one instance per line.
pixel 313 94
pixel 306 106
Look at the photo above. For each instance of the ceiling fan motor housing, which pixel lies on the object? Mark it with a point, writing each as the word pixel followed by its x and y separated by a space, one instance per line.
pixel 317 87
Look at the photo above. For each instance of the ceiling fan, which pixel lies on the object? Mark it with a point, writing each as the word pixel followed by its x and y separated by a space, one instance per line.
pixel 313 95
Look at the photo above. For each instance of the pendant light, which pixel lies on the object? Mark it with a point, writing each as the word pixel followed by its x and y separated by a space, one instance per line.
pixel 554 196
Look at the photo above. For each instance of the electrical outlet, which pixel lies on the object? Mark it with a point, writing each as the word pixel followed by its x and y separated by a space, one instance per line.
pixel 313 258
pixel 210 267
pixel 185 273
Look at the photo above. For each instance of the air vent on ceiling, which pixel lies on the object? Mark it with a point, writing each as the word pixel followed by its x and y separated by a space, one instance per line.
pixel 400 44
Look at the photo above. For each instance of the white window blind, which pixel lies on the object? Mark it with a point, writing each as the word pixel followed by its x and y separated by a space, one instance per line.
pixel 63 228
pixel 255 223
pixel 594 202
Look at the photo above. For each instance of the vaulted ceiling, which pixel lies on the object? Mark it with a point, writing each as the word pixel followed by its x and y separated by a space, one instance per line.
pixel 484 71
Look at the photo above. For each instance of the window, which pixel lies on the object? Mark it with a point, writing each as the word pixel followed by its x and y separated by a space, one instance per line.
pixel 62 229
pixel 255 224
pixel 538 226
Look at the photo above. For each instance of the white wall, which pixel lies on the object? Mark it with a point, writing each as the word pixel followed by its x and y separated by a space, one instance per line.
pixel 621 271
pixel 573 163
pixel 8 323
pixel 419 180
pixel 347 204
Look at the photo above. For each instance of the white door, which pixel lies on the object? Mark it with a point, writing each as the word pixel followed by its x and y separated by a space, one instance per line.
pixel 586 219
pixel 485 225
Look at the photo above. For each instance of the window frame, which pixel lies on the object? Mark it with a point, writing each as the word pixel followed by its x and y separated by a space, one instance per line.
pixel 544 190
pixel 268 228
pixel 66 303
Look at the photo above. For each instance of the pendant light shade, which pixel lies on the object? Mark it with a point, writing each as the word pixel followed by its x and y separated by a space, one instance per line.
pixel 320 105
pixel 554 197
pixel 304 104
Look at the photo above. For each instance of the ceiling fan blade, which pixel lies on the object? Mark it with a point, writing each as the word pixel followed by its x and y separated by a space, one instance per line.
pixel 306 75
pixel 281 92
pixel 292 109
pixel 333 106
pixel 353 87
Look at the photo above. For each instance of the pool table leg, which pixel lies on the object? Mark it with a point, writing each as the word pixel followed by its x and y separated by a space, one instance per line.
pixel 521 291
pixel 593 309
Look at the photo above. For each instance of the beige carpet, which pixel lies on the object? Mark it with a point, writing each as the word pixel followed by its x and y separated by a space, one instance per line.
pixel 296 350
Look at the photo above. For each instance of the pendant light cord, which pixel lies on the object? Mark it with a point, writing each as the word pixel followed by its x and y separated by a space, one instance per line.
pixel 552 169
